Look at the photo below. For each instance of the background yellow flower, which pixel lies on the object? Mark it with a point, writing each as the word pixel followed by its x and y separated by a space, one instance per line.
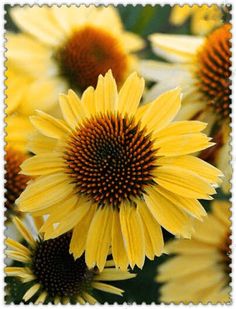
pixel 199 271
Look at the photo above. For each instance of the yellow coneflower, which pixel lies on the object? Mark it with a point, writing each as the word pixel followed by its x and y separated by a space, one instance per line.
pixel 118 172
pixel 204 18
pixel 51 272
pixel 202 67
pixel 72 45
pixel 200 270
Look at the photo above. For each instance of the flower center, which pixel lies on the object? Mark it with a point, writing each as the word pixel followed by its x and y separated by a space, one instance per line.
pixel 15 182
pixel 57 271
pixel 91 51
pixel 110 159
pixel 215 70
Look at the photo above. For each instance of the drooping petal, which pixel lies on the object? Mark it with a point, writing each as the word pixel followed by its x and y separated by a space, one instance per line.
pixel 167 214
pixel 80 233
pixel 99 238
pixel 153 229
pixel 133 235
pixel 118 247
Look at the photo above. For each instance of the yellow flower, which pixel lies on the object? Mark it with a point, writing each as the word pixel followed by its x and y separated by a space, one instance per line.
pixel 204 18
pixel 200 270
pixel 118 172
pixel 202 67
pixel 72 45
pixel 51 272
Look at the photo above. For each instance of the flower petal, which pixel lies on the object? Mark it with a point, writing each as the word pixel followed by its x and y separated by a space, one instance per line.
pixel 118 247
pixel 50 126
pixel 133 235
pixel 99 238
pixel 183 182
pixel 130 94
pixel 167 214
pixel 161 111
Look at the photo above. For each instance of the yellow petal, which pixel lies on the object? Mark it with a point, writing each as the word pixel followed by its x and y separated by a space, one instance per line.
pixel 88 101
pixel 50 126
pixel 162 111
pixel 38 143
pixel 41 299
pixel 31 292
pixel 167 214
pixel 153 229
pixel 194 164
pixel 118 248
pixel 106 95
pixel 24 231
pixel 133 235
pixel 180 127
pixel 177 145
pixel 72 109
pixel 44 192
pixel 183 182
pixel 78 240
pixel 99 238
pixel 17 246
pixel 69 221
pixel 130 94
pixel 107 288
pixel 113 274
pixel 176 48
pixel 89 298
pixel 42 164
pixel 58 212
pixel 191 206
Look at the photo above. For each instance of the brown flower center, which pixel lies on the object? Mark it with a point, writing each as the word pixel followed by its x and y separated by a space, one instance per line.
pixel 91 51
pixel 215 70
pixel 15 182
pixel 57 271
pixel 110 159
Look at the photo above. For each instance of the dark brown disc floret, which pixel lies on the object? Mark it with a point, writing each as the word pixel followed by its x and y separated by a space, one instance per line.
pixel 110 159
pixel 56 270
